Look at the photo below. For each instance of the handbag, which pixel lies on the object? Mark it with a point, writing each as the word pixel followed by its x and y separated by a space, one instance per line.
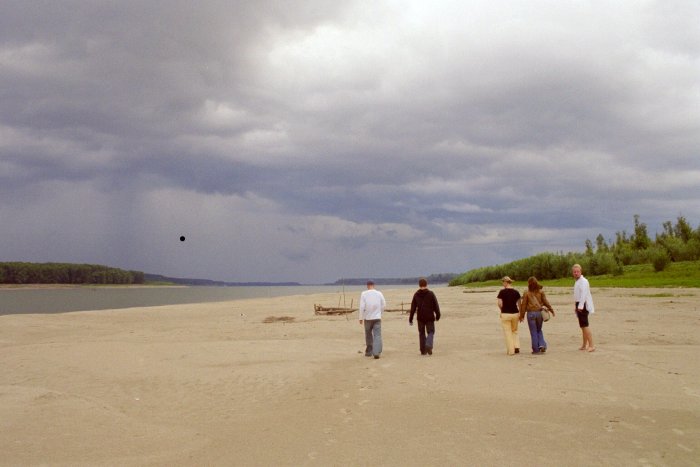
pixel 546 315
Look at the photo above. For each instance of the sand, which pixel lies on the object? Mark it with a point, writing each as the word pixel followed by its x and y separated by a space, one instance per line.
pixel 215 384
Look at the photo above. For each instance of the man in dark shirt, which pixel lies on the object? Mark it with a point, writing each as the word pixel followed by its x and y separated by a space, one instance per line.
pixel 508 299
pixel 425 305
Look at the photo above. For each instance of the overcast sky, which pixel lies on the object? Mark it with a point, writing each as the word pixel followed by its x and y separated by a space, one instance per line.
pixel 313 140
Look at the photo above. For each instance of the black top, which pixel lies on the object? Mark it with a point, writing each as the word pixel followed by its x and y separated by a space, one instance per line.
pixel 426 304
pixel 510 299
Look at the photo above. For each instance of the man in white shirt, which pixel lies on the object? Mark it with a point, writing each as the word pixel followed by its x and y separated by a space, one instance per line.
pixel 372 304
pixel 583 307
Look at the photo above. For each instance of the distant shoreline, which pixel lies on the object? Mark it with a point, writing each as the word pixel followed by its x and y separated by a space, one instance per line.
pixel 84 286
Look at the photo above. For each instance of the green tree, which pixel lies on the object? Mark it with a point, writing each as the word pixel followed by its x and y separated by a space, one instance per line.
pixel 668 230
pixel 640 239
pixel 683 230
pixel 601 246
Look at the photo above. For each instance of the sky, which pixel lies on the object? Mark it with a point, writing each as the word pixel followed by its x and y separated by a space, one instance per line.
pixel 311 141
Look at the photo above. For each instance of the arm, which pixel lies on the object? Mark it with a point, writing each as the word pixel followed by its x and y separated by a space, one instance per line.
pixel 545 302
pixel 584 293
pixel 499 302
pixel 414 305
pixel 363 305
pixel 523 307
pixel 437 308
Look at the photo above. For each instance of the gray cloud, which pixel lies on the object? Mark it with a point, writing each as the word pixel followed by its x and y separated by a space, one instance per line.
pixel 319 140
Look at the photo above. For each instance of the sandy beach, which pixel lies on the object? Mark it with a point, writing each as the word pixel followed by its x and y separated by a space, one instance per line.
pixel 267 382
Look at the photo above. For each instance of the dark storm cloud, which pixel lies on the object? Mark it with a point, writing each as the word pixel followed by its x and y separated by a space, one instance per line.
pixel 286 134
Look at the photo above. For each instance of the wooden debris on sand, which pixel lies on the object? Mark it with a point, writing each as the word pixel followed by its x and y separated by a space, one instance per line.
pixel 334 310
pixel 323 310
pixel 402 309
pixel 275 319
pixel 341 310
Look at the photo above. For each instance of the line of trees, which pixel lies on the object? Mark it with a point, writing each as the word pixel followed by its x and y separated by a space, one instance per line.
pixel 677 242
pixel 66 273
pixel 440 278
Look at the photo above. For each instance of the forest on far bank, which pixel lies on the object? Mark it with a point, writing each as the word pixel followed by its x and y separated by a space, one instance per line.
pixel 66 273
pixel 676 243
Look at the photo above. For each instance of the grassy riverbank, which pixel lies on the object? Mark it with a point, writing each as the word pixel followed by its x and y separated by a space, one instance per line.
pixel 678 274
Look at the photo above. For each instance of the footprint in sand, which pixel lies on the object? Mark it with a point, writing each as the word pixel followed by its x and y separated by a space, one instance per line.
pixel 610 426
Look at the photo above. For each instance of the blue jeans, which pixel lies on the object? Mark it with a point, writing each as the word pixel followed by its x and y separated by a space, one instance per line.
pixel 426 333
pixel 373 336
pixel 534 322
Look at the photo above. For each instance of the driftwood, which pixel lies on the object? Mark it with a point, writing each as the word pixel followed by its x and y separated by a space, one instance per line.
pixel 275 319
pixel 402 309
pixel 334 310
pixel 323 310
pixel 341 310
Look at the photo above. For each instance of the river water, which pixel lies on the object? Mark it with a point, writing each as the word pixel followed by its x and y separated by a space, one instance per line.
pixel 60 300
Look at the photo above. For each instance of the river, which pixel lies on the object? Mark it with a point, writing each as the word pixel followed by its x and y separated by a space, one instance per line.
pixel 64 299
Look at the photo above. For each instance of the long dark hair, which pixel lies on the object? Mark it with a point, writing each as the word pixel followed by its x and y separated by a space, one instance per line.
pixel 533 285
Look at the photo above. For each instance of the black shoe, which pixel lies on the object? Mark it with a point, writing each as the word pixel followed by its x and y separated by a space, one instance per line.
pixel 517 350
pixel 543 349
pixel 424 353
pixel 376 357
pixel 429 350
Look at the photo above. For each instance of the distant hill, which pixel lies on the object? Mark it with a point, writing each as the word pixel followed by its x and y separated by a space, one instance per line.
pixel 432 279
pixel 210 283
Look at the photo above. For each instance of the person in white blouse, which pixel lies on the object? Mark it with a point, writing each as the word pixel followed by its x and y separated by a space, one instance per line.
pixel 584 306
pixel 372 304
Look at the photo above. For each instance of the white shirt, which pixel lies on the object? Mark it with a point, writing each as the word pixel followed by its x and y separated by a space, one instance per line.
pixel 372 304
pixel 582 294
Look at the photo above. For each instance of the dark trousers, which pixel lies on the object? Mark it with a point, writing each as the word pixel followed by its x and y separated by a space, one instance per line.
pixel 426 333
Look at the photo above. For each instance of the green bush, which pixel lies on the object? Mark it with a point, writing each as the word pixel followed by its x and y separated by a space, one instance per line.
pixel 676 243
pixel 604 263
pixel 659 259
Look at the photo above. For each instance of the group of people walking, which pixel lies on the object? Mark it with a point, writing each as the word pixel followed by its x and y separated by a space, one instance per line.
pixel 424 306
pixel 514 308
pixel 531 305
